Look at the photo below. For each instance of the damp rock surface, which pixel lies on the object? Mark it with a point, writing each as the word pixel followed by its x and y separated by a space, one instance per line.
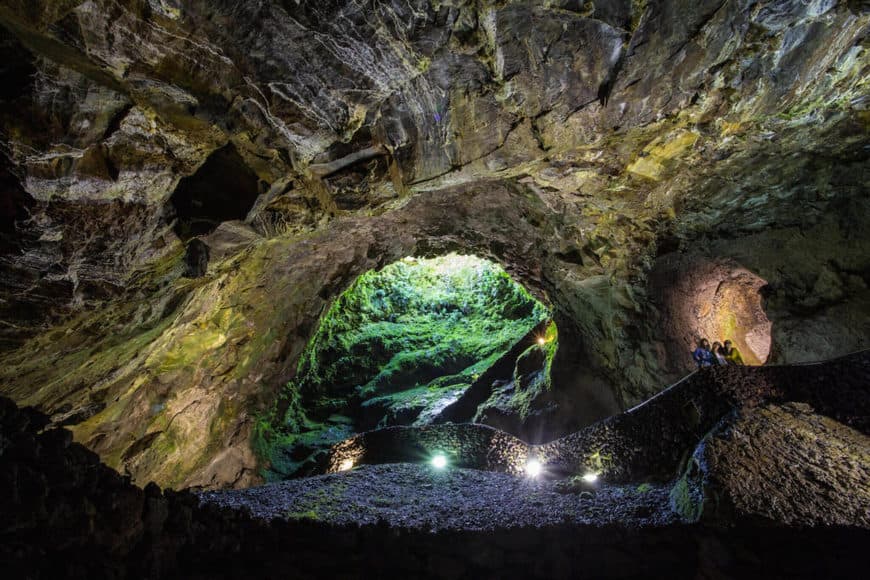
pixel 397 348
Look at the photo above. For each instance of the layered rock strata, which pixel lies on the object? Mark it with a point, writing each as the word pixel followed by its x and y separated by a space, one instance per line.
pixel 584 145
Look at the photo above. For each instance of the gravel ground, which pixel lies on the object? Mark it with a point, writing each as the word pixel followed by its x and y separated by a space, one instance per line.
pixel 418 496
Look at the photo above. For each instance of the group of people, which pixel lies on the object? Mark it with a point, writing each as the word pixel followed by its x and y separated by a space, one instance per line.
pixel 718 354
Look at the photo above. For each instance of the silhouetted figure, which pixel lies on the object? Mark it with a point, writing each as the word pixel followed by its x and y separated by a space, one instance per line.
pixel 702 355
pixel 732 355
pixel 719 354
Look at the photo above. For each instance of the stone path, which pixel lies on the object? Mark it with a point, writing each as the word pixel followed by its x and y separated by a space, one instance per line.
pixel 418 496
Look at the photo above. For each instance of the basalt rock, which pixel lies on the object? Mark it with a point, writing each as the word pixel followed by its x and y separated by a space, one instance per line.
pixel 652 440
pixel 780 463
pixel 595 149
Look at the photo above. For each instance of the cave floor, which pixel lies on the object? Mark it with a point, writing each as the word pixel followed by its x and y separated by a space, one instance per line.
pixel 417 496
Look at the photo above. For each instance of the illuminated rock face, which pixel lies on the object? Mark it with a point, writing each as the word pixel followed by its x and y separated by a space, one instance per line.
pixel 585 146
pixel 716 300
pixel 820 466
pixel 399 347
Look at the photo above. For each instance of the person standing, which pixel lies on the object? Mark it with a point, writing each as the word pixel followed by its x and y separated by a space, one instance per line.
pixel 732 355
pixel 702 355
pixel 719 354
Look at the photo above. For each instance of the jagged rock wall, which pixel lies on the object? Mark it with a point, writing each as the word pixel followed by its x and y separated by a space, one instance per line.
pixel 619 131
pixel 813 457
pixel 799 292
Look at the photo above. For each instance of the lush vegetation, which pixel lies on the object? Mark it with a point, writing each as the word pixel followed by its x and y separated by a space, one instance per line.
pixel 395 348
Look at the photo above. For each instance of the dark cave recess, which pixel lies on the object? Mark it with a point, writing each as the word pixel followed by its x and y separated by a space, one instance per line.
pixel 224 188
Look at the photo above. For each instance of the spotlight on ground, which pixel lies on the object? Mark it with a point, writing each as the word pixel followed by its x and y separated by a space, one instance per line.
pixel 590 477
pixel 533 468
pixel 439 461
pixel 346 465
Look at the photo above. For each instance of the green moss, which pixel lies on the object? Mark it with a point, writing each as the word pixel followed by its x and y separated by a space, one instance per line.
pixel 321 503
pixel 424 63
pixel 638 7
pixel 306 515
pixel 686 501
pixel 71 358
pixel 532 373
pixel 599 462
pixel 290 450
pixel 415 321
pixel 851 82
pixel 401 342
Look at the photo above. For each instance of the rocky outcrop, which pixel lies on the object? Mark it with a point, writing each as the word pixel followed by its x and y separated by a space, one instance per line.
pixel 577 143
pixel 239 328
pixel 782 295
pixel 779 463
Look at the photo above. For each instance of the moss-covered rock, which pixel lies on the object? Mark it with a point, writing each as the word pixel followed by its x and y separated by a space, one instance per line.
pixel 397 347
pixel 521 405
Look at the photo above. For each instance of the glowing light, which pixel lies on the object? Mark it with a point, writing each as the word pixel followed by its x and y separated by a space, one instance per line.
pixel 590 477
pixel 542 341
pixel 439 461
pixel 533 468
pixel 346 465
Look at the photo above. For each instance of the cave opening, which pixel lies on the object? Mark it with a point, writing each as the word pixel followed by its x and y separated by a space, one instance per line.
pixel 716 299
pixel 223 189
pixel 730 307
pixel 419 342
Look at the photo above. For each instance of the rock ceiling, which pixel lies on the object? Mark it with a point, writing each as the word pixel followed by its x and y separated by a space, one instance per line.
pixel 603 152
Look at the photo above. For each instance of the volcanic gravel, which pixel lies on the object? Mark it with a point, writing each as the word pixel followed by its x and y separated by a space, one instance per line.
pixel 419 496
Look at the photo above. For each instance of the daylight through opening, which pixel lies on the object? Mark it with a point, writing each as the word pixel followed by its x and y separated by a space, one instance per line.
pixel 404 346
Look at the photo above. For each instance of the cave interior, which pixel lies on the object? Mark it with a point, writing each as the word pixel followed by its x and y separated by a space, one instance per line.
pixel 414 288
